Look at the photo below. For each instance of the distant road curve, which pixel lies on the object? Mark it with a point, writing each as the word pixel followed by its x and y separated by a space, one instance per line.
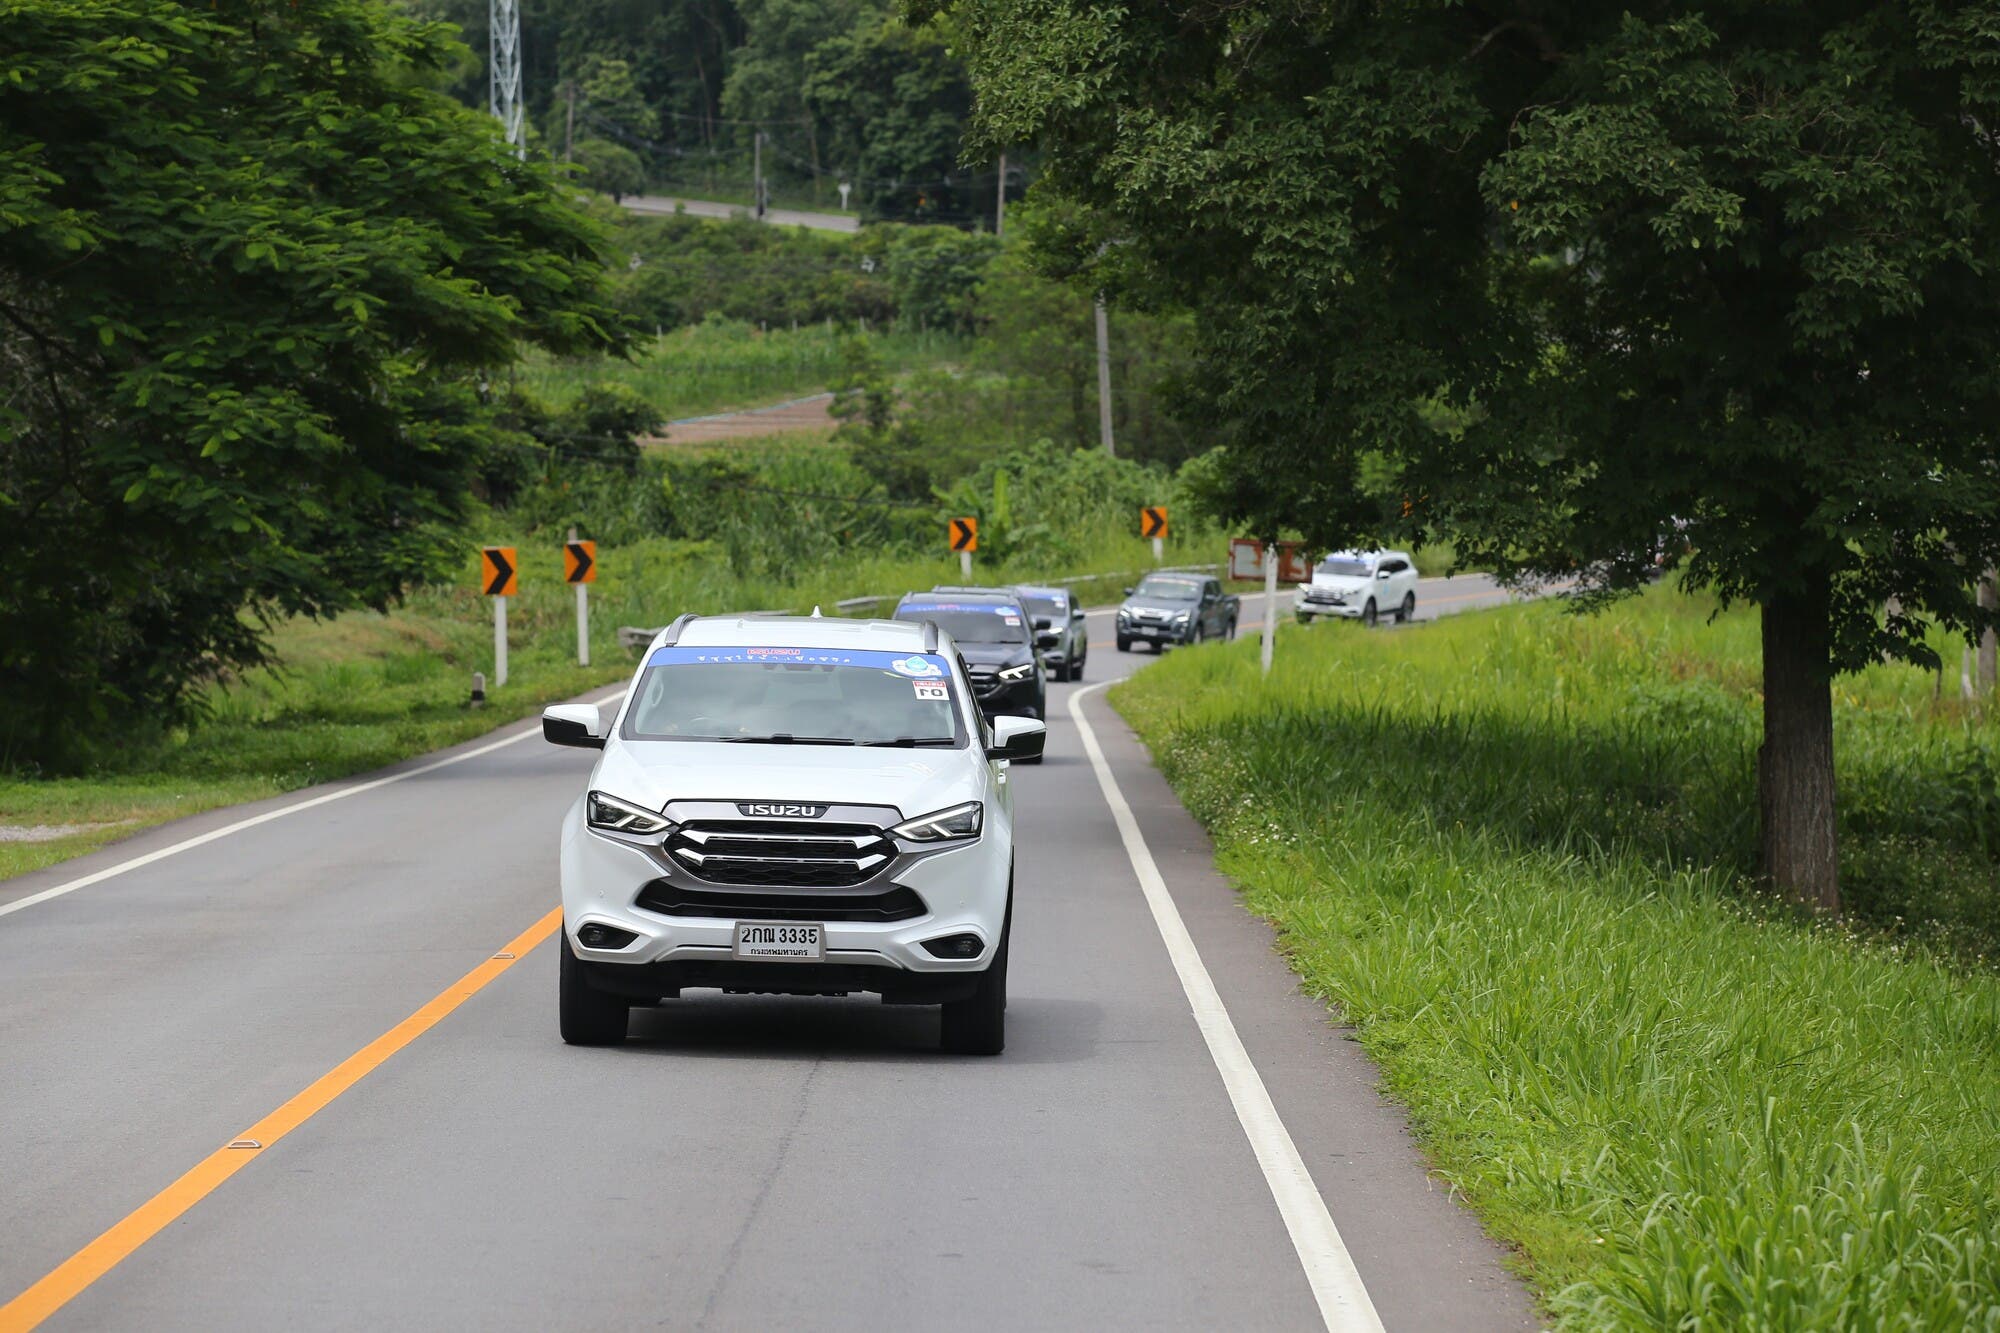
pixel 709 208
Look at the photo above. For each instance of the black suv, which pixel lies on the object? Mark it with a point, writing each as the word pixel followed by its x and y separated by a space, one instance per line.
pixel 1169 607
pixel 997 639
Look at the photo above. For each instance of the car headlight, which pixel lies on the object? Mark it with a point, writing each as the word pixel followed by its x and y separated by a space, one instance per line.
pixel 1124 613
pixel 1018 673
pixel 616 816
pixel 1182 618
pixel 957 824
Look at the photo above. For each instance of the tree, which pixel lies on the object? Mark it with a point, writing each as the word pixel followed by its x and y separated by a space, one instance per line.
pixel 254 276
pixel 609 168
pixel 1719 272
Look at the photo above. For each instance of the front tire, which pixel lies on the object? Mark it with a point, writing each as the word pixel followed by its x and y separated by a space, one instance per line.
pixel 1368 614
pixel 977 1025
pixel 1408 610
pixel 1124 644
pixel 587 1017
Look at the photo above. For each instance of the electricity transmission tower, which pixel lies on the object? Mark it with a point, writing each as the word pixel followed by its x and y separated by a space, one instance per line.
pixel 503 69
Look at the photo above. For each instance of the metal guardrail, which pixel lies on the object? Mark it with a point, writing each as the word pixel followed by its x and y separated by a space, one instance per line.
pixel 632 638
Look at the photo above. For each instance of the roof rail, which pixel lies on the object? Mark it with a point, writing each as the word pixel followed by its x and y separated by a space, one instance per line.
pixel 966 587
pixel 672 634
pixel 930 636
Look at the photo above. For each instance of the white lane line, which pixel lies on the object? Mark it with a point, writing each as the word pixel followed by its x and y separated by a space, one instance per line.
pixel 338 794
pixel 1336 1284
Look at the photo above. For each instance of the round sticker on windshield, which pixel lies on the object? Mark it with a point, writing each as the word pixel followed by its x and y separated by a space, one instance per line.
pixel 916 666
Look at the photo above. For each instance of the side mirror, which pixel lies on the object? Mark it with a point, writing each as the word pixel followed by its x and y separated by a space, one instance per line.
pixel 1128 592
pixel 1382 573
pixel 1043 622
pixel 580 725
pixel 1017 738
pixel 1047 638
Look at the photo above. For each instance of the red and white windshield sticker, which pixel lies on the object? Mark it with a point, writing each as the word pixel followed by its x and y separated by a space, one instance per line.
pixel 931 689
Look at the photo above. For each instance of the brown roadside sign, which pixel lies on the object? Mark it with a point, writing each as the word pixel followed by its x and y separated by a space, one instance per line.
pixel 965 534
pixel 579 562
pixel 1153 521
pixel 497 571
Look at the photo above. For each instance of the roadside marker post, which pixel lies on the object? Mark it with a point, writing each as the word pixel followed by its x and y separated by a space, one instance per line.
pixel 1249 557
pixel 1270 605
pixel 498 577
pixel 580 568
pixel 964 533
pixel 1153 523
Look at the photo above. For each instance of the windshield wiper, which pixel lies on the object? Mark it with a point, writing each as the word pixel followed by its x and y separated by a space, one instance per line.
pixel 786 738
pixel 912 742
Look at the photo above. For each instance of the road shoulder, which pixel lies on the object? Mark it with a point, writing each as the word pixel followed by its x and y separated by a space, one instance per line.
pixel 1425 1260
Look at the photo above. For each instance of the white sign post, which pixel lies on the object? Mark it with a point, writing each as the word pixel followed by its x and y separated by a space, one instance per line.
pixel 1159 549
pixel 499 642
pixel 965 565
pixel 1270 601
pixel 583 624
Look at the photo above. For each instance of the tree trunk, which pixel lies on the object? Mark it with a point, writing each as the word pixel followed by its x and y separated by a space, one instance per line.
pixel 1795 766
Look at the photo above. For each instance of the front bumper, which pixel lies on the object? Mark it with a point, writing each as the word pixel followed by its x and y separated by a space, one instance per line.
pixel 1350 609
pixel 958 891
pixel 1154 632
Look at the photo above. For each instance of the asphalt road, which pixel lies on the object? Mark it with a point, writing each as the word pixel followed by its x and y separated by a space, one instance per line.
pixel 709 208
pixel 743 1163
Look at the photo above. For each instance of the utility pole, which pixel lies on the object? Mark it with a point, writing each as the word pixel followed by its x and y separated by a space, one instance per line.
pixel 757 174
pixel 1000 201
pixel 1104 378
pixel 569 120
pixel 503 70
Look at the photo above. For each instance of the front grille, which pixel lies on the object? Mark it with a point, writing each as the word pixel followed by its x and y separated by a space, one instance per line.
pixel 779 854
pixel 1330 598
pixel 895 903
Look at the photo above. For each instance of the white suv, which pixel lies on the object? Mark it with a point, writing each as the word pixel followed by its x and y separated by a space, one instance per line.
pixel 1360 585
pixel 794 806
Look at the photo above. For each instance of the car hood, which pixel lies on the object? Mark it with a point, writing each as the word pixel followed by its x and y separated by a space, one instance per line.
pixel 1157 604
pixel 1341 586
pixel 993 654
pixel 652 773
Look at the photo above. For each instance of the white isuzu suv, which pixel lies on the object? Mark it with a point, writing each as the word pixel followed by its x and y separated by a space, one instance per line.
pixel 796 806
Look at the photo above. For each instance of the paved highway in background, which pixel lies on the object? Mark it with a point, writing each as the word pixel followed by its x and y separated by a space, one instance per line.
pixel 748 1163
pixel 709 208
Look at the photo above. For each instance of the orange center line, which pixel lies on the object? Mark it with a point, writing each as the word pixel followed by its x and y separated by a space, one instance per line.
pixel 69 1279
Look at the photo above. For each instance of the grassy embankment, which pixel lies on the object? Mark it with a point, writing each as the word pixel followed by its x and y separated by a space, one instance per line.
pixel 722 366
pixel 1513 848
pixel 366 690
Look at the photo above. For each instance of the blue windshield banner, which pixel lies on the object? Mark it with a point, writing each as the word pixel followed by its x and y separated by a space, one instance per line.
pixel 919 608
pixel 915 666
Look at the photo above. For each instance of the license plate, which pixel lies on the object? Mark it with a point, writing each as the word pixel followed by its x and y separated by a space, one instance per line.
pixel 781 941
pixel 1147 630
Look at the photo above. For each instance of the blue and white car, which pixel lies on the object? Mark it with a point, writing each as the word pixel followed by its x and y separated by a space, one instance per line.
pixel 796 806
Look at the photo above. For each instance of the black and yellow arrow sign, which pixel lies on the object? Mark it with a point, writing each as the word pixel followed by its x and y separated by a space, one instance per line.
pixel 965 534
pixel 579 562
pixel 1153 521
pixel 496 574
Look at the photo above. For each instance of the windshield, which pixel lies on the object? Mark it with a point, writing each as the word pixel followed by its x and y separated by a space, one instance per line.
pixel 970 622
pixel 1346 567
pixel 795 696
pixel 1168 590
pixel 1042 604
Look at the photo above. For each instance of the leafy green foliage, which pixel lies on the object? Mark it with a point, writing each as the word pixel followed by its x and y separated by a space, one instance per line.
pixel 1510 847
pixel 252 271
pixel 1712 280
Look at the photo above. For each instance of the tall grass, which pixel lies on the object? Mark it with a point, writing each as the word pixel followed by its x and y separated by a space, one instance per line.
pixel 722 365
pixel 1512 848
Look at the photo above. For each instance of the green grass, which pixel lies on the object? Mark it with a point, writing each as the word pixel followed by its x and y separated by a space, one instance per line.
pixel 1512 848
pixel 366 690
pixel 721 366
